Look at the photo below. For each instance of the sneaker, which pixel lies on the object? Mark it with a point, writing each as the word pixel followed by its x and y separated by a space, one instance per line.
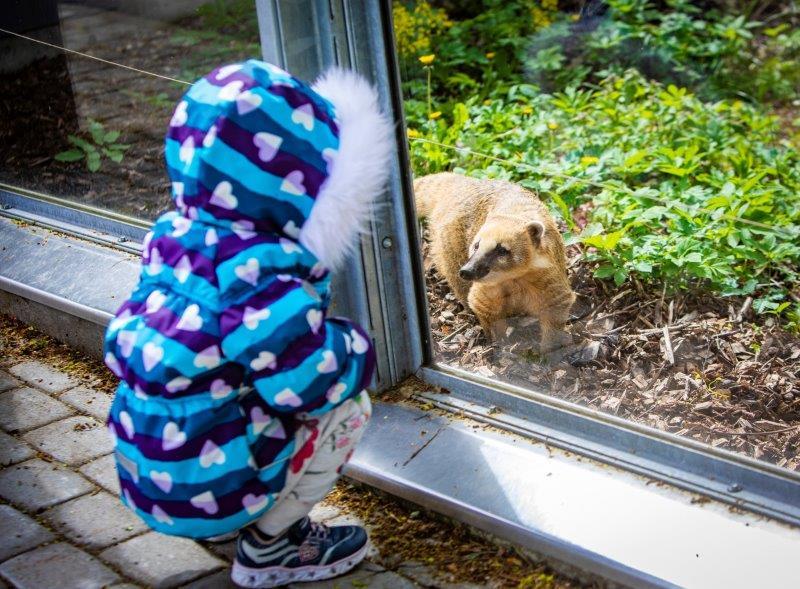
pixel 307 551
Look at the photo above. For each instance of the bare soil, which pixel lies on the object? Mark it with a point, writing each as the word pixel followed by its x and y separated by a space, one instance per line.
pixel 723 376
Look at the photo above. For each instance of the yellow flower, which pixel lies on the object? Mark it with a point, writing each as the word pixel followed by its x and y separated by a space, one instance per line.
pixel 412 133
pixel 434 115
pixel 588 160
pixel 552 125
pixel 575 17
pixel 427 59
pixel 490 55
pixel 526 110
pixel 487 102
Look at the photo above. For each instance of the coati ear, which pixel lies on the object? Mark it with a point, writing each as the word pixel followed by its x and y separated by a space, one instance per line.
pixel 536 231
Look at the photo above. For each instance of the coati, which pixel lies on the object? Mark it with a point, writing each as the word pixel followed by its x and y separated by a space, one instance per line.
pixel 499 250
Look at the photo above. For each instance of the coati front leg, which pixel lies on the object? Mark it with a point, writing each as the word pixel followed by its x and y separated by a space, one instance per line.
pixel 488 310
pixel 553 320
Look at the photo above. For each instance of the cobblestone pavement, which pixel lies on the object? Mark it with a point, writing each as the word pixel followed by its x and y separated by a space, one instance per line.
pixel 62 524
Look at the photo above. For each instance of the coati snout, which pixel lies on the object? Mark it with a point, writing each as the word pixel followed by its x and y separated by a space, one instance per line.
pixel 500 251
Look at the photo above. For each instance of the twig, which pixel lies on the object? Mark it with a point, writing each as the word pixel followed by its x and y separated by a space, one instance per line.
pixel 669 354
pixel 464 327
pixel 775 431
pixel 676 327
pixel 745 308
pixel 425 445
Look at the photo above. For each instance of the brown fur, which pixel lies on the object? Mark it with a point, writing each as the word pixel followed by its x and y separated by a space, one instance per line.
pixel 519 249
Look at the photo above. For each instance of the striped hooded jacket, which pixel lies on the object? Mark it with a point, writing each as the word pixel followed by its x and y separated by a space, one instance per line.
pixel 225 342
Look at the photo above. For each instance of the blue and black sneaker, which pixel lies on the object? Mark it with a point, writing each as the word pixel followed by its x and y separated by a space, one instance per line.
pixel 307 551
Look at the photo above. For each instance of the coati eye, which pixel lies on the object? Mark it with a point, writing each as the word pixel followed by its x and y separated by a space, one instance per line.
pixel 501 251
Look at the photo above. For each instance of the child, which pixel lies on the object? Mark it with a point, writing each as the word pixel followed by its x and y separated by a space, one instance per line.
pixel 239 400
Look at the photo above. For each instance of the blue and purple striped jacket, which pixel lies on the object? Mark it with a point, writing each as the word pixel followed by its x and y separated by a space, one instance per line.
pixel 225 339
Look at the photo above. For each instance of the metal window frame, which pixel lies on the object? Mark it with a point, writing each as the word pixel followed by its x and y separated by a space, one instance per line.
pixel 384 287
pixel 359 34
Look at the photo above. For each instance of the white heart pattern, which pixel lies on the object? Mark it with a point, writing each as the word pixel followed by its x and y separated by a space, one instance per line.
pixel 125 341
pixel 292 230
pixel 119 321
pixel 210 136
pixel 178 384
pixel 182 269
pixel 348 343
pixel 318 270
pixel 129 499
pixel 177 190
pixel 220 389
pixel 334 394
pixel 259 419
pixel 113 365
pixel 328 363
pixel 152 354
pixel 289 247
pixel 314 318
pixel 252 317
pixel 329 155
pixel 244 229
pixel 162 480
pixel 227 70
pixel 254 503
pixel 191 320
pixel 304 115
pixel 156 263
pixel 248 271
pixel 211 237
pixel 180 116
pixel 293 183
pixel 186 152
pixel 360 345
pixel 264 360
pixel 127 424
pixel 181 226
pixel 211 454
pixel 247 102
pixel 172 437
pixel 276 430
pixel 268 145
pixel 208 358
pixel 223 196
pixel 161 516
pixel 288 397
pixel 205 501
pixel 155 300
pixel 230 90
pixel 139 393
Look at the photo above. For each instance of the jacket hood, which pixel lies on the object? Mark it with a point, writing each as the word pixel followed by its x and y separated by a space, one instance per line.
pixel 253 147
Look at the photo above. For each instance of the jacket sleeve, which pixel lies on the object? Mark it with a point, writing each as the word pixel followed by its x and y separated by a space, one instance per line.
pixel 297 359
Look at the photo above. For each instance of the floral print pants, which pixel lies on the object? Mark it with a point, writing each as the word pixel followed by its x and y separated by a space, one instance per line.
pixel 324 444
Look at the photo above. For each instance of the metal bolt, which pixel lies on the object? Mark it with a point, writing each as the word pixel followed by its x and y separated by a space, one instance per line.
pixel 734 488
pixel 387 242
pixel 122 239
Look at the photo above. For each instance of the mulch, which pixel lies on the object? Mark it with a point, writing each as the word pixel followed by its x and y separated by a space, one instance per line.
pixel 722 375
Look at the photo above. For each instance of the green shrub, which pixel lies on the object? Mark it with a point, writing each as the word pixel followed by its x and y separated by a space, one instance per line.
pixel 677 191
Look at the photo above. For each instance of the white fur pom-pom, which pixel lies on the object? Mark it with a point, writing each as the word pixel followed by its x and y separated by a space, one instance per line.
pixel 359 170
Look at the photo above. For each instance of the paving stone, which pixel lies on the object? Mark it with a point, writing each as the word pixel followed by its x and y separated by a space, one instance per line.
pixel 26 408
pixel 57 565
pixel 96 520
pixel 20 533
pixel 73 440
pixel 43 376
pixel 227 550
pixel 89 401
pixel 7 381
pixel 37 484
pixel 161 561
pixel 12 450
pixel 103 471
pixel 220 580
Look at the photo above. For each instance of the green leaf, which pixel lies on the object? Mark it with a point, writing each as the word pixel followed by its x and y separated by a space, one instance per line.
pixel 606 241
pixel 113 155
pixel 82 143
pixel 93 161
pixel 96 131
pixel 604 271
pixel 71 155
pixel 111 136
pixel 635 158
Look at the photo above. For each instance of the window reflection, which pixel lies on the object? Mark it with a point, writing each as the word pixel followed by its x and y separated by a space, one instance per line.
pixel 663 140
pixel 91 130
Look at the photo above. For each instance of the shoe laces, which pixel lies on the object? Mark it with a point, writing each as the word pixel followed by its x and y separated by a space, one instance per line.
pixel 318 532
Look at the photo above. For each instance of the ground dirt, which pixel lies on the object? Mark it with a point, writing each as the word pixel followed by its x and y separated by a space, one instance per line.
pixel 722 376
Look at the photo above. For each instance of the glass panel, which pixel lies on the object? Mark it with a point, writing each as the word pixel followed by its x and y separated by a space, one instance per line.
pixel 89 87
pixel 662 141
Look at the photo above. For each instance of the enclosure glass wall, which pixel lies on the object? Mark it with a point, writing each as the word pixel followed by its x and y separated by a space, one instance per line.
pixel 89 88
pixel 662 139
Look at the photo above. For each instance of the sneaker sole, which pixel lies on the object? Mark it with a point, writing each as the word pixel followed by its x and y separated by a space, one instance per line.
pixel 277 576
